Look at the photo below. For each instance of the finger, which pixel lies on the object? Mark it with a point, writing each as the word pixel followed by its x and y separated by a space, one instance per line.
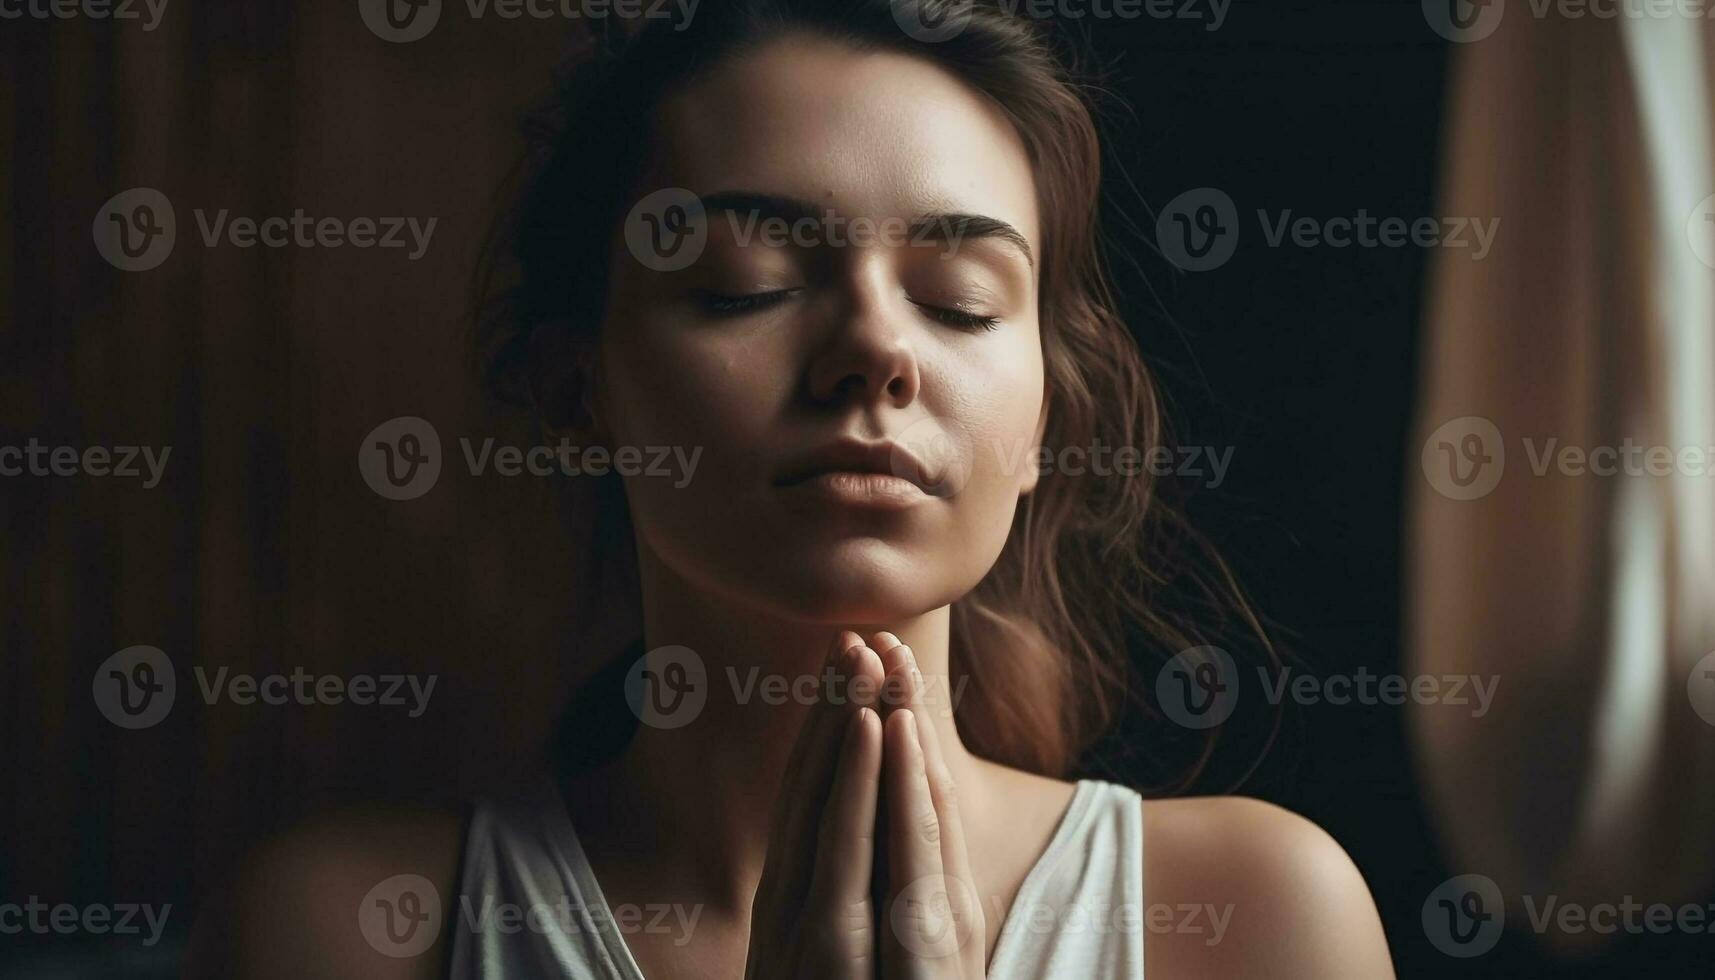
pixel 902 685
pixel 962 893
pixel 955 862
pixel 919 919
pixel 846 846
pixel 798 800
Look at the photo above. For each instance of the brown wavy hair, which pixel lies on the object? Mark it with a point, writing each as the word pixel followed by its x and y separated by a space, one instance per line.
pixel 1101 579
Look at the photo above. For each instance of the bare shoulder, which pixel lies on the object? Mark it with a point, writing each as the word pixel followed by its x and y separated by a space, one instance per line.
pixel 341 895
pixel 1274 895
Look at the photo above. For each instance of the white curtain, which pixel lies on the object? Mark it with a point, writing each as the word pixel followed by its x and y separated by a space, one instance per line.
pixel 1550 545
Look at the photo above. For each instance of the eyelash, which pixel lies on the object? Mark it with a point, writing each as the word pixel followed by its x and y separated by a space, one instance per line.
pixel 721 304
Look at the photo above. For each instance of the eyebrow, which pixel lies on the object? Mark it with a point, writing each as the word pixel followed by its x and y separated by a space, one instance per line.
pixel 938 226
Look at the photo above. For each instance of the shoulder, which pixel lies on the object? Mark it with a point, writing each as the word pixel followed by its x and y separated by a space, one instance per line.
pixel 296 900
pixel 1274 894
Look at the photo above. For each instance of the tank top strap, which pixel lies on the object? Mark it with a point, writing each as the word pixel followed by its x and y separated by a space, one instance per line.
pixel 1080 911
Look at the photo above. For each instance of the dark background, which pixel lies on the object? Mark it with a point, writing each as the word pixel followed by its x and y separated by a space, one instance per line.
pixel 263 550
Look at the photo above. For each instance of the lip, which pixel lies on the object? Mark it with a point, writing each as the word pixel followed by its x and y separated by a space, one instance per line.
pixel 878 491
pixel 884 458
pixel 881 475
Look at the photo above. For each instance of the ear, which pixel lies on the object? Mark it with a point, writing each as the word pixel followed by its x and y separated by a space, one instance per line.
pixel 563 383
pixel 1031 473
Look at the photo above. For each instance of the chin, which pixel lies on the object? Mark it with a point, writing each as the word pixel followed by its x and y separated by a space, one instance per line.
pixel 865 581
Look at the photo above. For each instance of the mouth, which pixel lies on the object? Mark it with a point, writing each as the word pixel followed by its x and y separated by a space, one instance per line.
pixel 882 475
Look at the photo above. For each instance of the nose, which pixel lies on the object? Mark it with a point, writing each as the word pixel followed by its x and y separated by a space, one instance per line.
pixel 868 354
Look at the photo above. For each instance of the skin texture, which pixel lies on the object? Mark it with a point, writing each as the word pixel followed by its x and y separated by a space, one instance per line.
pixel 696 815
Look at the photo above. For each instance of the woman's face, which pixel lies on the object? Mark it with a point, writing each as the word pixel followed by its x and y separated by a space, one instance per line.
pixel 786 337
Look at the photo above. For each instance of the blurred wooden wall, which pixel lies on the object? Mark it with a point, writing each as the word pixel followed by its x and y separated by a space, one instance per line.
pixel 262 549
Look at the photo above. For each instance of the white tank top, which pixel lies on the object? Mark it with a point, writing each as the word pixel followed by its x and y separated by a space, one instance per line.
pixel 528 905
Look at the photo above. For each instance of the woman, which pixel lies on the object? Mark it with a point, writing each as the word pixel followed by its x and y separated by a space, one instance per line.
pixel 867 387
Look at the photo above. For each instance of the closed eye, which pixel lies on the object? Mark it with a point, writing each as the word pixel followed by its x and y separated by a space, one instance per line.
pixel 959 318
pixel 728 304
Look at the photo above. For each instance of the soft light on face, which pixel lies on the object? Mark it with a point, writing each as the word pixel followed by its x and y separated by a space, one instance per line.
pixel 760 353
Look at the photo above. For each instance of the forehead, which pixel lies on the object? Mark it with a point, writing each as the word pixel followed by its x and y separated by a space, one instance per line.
pixel 872 133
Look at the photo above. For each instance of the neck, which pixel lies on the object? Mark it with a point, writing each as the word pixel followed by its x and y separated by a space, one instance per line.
pixel 698 797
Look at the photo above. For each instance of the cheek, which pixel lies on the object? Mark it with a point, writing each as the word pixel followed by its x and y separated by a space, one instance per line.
pixel 996 412
pixel 991 406
pixel 704 398
pixel 672 386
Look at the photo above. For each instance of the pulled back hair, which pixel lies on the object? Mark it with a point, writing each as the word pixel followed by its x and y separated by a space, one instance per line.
pixel 1101 580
